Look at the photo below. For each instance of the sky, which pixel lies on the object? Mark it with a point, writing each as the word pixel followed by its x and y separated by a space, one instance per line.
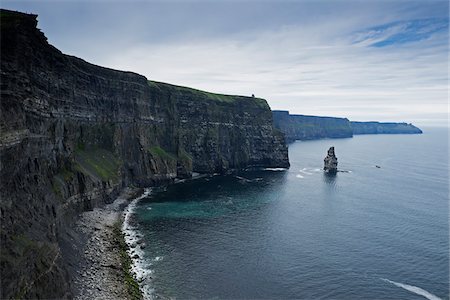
pixel 384 60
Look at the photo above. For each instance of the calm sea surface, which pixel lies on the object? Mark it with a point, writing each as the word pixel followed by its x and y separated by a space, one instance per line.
pixel 366 233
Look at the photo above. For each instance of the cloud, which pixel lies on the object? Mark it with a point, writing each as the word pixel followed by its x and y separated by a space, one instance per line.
pixel 366 60
pixel 402 32
pixel 297 70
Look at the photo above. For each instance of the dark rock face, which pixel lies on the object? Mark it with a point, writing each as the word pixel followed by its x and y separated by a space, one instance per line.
pixel 384 128
pixel 301 127
pixel 330 161
pixel 73 134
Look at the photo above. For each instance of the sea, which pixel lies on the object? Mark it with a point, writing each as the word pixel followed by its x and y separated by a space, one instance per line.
pixel 378 229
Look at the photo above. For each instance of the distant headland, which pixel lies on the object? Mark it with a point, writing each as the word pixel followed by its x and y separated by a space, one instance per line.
pixel 302 127
pixel 75 136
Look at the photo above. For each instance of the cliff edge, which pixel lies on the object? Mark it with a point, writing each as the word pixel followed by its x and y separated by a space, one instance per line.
pixel 301 127
pixel 74 134
pixel 384 128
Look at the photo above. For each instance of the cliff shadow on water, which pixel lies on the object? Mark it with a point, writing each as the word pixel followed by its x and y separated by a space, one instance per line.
pixel 74 134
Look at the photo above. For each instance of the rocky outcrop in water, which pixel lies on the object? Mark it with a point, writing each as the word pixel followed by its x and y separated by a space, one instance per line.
pixel 300 127
pixel 330 162
pixel 74 134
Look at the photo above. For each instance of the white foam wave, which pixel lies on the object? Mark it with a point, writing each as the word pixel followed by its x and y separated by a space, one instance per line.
pixel 299 176
pixel 274 169
pixel 139 267
pixel 242 178
pixel 304 172
pixel 413 289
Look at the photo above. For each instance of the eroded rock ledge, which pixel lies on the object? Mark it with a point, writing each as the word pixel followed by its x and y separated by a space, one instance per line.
pixel 74 134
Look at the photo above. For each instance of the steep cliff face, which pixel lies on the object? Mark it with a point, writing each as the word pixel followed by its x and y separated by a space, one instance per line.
pixel 209 123
pixel 300 127
pixel 73 134
pixel 383 128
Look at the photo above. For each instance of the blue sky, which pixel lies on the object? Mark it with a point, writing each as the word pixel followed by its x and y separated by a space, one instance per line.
pixel 365 60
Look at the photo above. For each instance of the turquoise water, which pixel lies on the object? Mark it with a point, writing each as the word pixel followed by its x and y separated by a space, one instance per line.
pixel 366 233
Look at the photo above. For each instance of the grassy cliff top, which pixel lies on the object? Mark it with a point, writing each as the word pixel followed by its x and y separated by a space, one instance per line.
pixel 16 14
pixel 13 20
pixel 10 17
pixel 203 95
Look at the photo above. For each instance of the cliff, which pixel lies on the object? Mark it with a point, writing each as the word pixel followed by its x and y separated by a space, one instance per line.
pixel 74 134
pixel 383 128
pixel 301 127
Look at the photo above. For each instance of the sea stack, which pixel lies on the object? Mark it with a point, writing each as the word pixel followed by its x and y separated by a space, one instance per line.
pixel 330 161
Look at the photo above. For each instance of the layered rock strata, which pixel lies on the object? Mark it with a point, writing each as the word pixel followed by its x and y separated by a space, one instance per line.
pixel 301 127
pixel 74 134
pixel 384 128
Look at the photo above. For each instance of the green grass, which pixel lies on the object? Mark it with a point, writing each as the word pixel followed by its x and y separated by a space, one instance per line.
pixel 66 174
pixel 161 153
pixel 203 95
pixel 56 186
pixel 4 13
pixel 10 18
pixel 129 280
pixel 100 163
pixel 184 156
pixel 80 146
pixel 60 179
pixel 185 159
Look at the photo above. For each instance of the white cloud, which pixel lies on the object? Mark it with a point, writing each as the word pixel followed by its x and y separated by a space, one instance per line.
pixel 309 57
pixel 306 70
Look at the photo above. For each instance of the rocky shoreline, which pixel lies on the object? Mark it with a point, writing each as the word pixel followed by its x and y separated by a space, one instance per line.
pixel 83 132
pixel 100 266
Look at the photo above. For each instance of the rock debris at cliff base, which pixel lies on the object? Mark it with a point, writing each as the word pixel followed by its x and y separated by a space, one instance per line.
pixel 74 134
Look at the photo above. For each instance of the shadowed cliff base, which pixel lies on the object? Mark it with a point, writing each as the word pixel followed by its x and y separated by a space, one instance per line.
pixel 95 252
pixel 73 135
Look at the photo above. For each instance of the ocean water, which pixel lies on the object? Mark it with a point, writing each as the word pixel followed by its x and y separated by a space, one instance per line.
pixel 366 233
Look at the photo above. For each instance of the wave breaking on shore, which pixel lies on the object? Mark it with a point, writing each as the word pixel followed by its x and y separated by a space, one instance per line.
pixel 133 238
